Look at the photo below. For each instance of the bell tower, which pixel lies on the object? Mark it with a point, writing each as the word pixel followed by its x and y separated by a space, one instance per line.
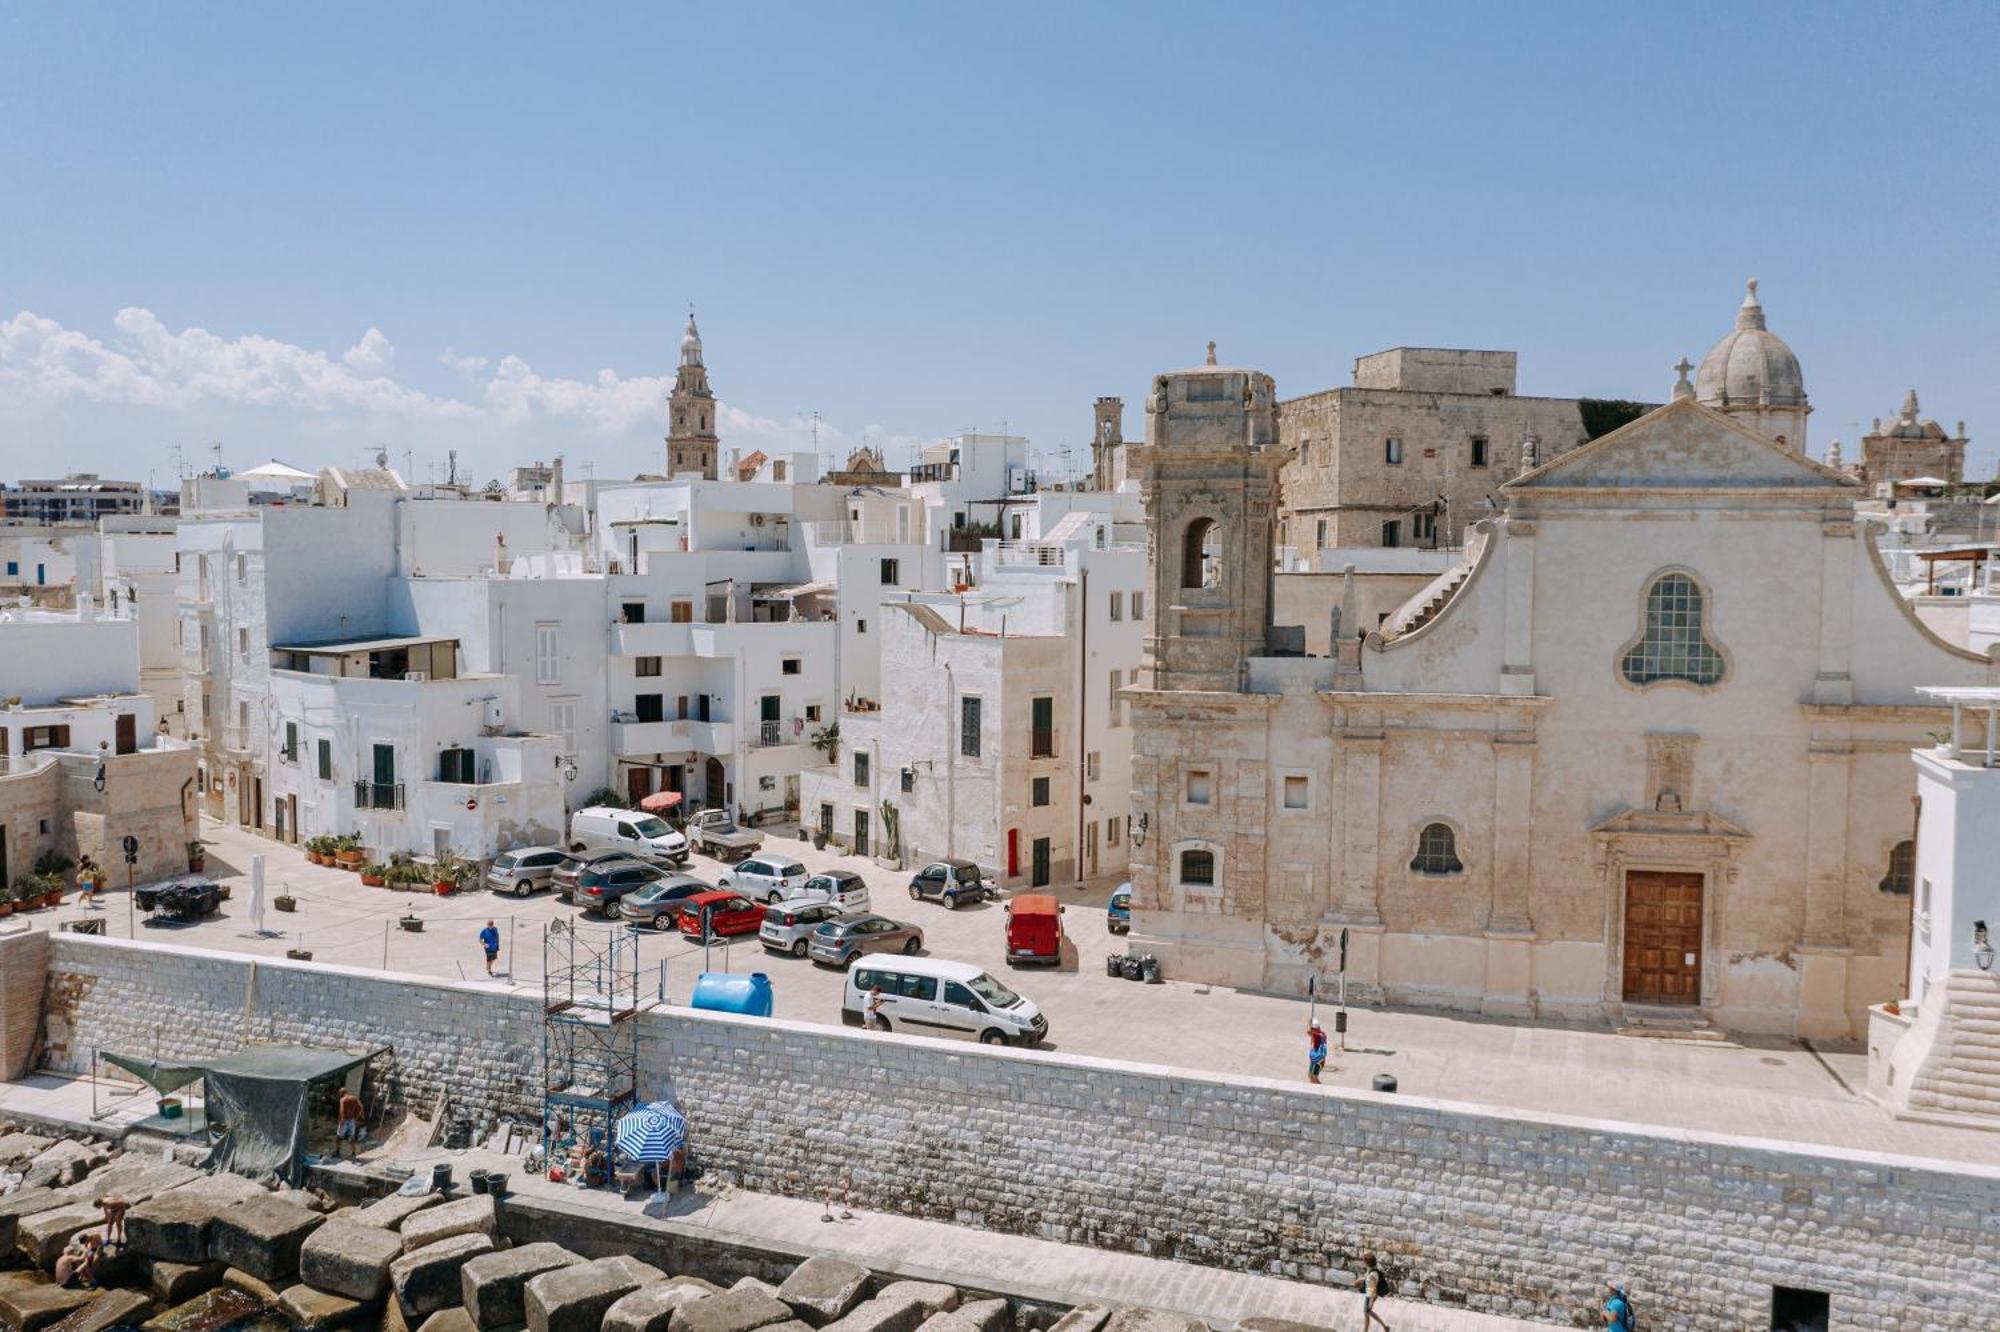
pixel 1107 443
pixel 692 442
pixel 1208 476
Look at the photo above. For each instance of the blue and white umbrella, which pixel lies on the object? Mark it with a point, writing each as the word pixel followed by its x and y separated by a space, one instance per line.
pixel 653 1133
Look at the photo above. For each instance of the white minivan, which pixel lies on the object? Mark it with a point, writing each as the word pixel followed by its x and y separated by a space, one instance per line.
pixel 641 835
pixel 930 996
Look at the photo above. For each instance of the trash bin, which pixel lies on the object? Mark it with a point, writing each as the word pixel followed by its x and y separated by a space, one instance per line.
pixel 1149 969
pixel 441 1177
pixel 1110 963
pixel 1385 1082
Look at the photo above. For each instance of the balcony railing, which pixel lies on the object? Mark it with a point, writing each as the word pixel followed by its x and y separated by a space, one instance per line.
pixel 830 533
pixel 1037 554
pixel 378 795
pixel 233 736
pixel 21 765
pixel 1042 744
pixel 769 733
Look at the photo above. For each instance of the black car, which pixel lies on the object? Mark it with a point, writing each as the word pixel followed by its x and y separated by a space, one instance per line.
pixel 599 887
pixel 952 882
pixel 563 878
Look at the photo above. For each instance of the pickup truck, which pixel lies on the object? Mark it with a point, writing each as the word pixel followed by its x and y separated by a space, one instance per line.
pixel 714 832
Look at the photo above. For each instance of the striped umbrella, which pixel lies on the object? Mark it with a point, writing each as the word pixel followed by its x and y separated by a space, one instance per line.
pixel 649 1135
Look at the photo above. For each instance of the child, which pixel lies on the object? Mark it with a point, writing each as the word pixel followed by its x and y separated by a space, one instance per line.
pixel 1315 1051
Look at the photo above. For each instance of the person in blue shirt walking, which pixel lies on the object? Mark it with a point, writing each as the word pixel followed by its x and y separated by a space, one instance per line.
pixel 1618 1310
pixel 1315 1051
pixel 489 939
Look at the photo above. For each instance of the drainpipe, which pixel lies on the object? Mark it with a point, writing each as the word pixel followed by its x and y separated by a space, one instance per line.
pixel 951 707
pixel 1082 704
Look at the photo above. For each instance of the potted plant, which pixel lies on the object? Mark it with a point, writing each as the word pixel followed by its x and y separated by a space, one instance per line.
pixel 197 855
pixel 374 875
pixel 319 850
pixel 19 890
pixel 52 890
pixel 447 872
pixel 285 902
pixel 347 851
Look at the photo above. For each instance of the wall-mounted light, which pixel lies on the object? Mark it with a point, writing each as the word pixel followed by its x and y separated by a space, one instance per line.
pixel 1982 946
pixel 1137 827
pixel 98 780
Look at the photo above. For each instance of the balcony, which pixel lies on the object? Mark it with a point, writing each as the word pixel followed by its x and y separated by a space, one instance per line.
pixel 771 734
pixel 24 765
pixel 672 737
pixel 232 738
pixel 1032 555
pixel 378 795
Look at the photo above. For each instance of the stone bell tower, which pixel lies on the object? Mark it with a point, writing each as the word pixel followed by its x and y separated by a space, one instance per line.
pixel 692 442
pixel 1208 476
pixel 1107 444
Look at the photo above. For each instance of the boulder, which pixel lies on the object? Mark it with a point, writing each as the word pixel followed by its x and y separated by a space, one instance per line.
pixel 42 1236
pixel 111 1308
pixel 448 1320
pixel 985 1315
pixel 463 1217
pixel 900 1313
pixel 137 1178
pixel 62 1163
pixel 390 1212
pixel 651 1308
pixel 311 1309
pixel 349 1259
pixel 222 1307
pixel 254 1286
pixel 26 1202
pixel 739 1309
pixel 491 1286
pixel 935 1296
pixel 25 1308
pixel 1083 1318
pixel 262 1236
pixel 428 1279
pixel 175 1225
pixel 821 1289
pixel 754 1283
pixel 16 1148
pixel 1152 1320
pixel 177 1283
pixel 576 1298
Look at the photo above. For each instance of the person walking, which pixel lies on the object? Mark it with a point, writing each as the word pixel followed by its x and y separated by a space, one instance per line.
pixel 1618 1310
pixel 86 883
pixel 1370 1284
pixel 875 1017
pixel 489 939
pixel 1315 1051
pixel 348 1130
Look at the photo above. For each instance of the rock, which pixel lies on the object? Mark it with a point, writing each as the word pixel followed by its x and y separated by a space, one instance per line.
pixel 651 1308
pixel 428 1279
pixel 576 1298
pixel 137 1178
pixel 738 1309
pixel 1083 1318
pixel 491 1285
pixel 175 1225
pixel 820 1290
pixel 987 1315
pixel 111 1308
pixel 1152 1320
pixel 901 1313
pixel 217 1308
pixel 389 1212
pixel 1263 1324
pixel 462 1217
pixel 16 1148
pixel 349 1259
pixel 249 1284
pixel 448 1320
pixel 62 1163
pixel 310 1309
pixel 42 1236
pixel 25 1308
pixel 26 1202
pixel 643 1273
pixel 935 1296
pixel 177 1283
pixel 262 1236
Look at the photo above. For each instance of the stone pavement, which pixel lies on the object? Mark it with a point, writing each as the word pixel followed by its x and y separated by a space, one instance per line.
pixel 1758 1087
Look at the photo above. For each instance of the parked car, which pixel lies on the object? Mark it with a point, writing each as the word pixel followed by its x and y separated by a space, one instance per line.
pixel 715 833
pixel 659 903
pixel 766 878
pixel 523 870
pixel 1118 912
pixel 935 997
pixel 563 878
pixel 1034 929
pixel 708 915
pixel 836 943
pixel 952 882
pixel 788 925
pixel 600 887
pixel 844 888
pixel 641 835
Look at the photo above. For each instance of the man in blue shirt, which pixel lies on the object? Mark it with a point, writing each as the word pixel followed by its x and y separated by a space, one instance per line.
pixel 1618 1310
pixel 489 939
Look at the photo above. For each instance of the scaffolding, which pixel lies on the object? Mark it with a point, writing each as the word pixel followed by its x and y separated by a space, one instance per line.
pixel 590 1036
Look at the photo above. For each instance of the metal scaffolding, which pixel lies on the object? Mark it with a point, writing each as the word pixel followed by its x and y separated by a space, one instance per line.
pixel 590 1040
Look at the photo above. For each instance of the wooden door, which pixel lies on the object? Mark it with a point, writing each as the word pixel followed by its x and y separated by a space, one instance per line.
pixel 1662 937
pixel 126 734
pixel 638 784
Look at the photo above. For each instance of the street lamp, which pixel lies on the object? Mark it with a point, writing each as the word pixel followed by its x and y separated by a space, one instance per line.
pixel 98 780
pixel 1140 822
pixel 1982 946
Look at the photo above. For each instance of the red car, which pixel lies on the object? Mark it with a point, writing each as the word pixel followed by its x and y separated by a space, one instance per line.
pixel 706 915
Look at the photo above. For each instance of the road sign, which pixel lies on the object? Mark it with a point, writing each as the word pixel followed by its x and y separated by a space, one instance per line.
pixel 131 845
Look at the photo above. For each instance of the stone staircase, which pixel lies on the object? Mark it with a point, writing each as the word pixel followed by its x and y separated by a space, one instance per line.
pixel 1422 608
pixel 1668 1023
pixel 1961 1074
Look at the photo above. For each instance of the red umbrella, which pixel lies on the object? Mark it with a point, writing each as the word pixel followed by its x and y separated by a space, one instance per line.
pixel 660 801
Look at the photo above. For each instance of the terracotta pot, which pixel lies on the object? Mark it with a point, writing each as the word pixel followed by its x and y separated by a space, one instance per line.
pixel 195 865
pixel 443 889
pixel 315 858
pixel 6 908
pixel 52 899
pixel 373 880
pixel 348 859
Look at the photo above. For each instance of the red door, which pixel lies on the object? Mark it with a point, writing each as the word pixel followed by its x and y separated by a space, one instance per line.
pixel 1013 852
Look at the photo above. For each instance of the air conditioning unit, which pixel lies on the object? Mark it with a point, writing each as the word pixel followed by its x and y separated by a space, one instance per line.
pixel 416 677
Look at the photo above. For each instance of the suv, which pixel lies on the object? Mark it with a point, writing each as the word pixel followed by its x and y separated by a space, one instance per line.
pixel 599 887
pixel 659 903
pixel 843 888
pixel 952 882
pixel 708 915
pixel 788 925
pixel 767 878
pixel 523 870
pixel 565 875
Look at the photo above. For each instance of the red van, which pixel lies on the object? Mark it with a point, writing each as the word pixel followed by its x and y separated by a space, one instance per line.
pixel 1034 930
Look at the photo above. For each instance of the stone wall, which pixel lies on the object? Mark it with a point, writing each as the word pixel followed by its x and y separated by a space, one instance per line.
pixel 1499 1212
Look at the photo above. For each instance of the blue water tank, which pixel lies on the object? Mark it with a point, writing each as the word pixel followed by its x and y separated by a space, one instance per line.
pixel 749 995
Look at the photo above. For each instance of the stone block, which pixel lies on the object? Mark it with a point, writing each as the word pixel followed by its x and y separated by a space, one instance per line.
pixel 390 1212
pixel 1152 1320
pixel 174 1226
pixel 821 1289
pixel 311 1309
pixel 739 1309
pixel 753 1283
pixel 224 1306
pixel 261 1236
pixel 26 1202
pixel 249 1284
pixel 987 1315
pixel 61 1163
pixel 428 1279
pixel 463 1217
pixel 576 1298
pixel 950 1321
pixel 26 1308
pixel 137 1178
pixel 491 1286
pixel 349 1259
pixel 1083 1318
pixel 177 1283
pixel 42 1236
pixel 902 1313
pixel 643 1273
pixel 16 1148
pixel 935 1296
pixel 111 1308
pixel 448 1320
pixel 651 1308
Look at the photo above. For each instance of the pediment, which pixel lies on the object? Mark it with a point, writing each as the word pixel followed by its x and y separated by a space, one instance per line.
pixel 1662 823
pixel 1682 446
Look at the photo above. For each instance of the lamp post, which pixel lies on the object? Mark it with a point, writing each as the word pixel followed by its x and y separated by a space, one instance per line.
pixel 1982 946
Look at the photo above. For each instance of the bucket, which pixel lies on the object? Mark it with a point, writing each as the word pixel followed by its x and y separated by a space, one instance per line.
pixel 496 1182
pixel 441 1176
pixel 479 1180
pixel 1384 1082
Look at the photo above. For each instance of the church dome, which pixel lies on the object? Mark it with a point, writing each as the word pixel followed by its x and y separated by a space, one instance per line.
pixel 1751 366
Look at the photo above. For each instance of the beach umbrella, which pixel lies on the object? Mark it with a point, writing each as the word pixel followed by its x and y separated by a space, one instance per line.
pixel 645 1135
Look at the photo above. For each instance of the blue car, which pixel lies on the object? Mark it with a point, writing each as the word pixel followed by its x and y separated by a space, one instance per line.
pixel 1118 912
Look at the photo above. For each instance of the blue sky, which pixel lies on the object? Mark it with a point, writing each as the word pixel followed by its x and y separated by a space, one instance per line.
pixel 479 226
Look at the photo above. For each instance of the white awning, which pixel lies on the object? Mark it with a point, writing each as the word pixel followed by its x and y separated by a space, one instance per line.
pixel 277 471
pixel 792 593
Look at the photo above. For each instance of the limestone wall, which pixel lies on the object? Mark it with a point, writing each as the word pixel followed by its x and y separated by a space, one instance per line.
pixel 1503 1213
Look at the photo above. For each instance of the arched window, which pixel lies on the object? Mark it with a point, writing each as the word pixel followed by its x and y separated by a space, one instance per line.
pixel 1198 867
pixel 1902 875
pixel 1673 644
pixel 1437 850
pixel 1201 554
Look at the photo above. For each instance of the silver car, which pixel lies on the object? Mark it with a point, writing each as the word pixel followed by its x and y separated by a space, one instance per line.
pixel 788 925
pixel 764 878
pixel 838 942
pixel 659 904
pixel 523 870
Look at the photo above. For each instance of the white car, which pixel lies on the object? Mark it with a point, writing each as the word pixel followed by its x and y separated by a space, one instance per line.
pixel 844 888
pixel 765 878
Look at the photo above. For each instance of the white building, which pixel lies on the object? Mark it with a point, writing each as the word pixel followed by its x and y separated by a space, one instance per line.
pixel 70 680
pixel 139 572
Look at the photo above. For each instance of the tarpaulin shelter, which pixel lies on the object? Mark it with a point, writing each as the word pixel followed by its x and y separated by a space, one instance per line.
pixel 258 1096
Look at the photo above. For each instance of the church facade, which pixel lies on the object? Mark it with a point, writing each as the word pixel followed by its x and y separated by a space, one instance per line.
pixel 1644 749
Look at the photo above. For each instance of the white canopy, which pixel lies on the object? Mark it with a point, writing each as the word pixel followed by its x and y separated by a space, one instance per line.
pixel 1924 481
pixel 279 472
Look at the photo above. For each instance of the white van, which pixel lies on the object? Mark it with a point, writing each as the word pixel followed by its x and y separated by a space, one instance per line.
pixel 643 836
pixel 930 996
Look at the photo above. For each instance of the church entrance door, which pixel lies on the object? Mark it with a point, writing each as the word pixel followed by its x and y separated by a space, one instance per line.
pixel 1662 937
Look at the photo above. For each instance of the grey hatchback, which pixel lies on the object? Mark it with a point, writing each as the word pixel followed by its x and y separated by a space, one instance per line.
pixel 523 870
pixel 838 942
pixel 658 904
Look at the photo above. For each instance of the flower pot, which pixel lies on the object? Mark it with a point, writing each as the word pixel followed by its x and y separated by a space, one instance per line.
pixel 52 898
pixel 442 889
pixel 348 859
pixel 6 908
pixel 299 954
pixel 196 864
pixel 283 902
pixel 413 923
pixel 373 880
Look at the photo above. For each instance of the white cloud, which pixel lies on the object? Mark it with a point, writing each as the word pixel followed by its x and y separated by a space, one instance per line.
pixel 468 367
pixel 371 356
